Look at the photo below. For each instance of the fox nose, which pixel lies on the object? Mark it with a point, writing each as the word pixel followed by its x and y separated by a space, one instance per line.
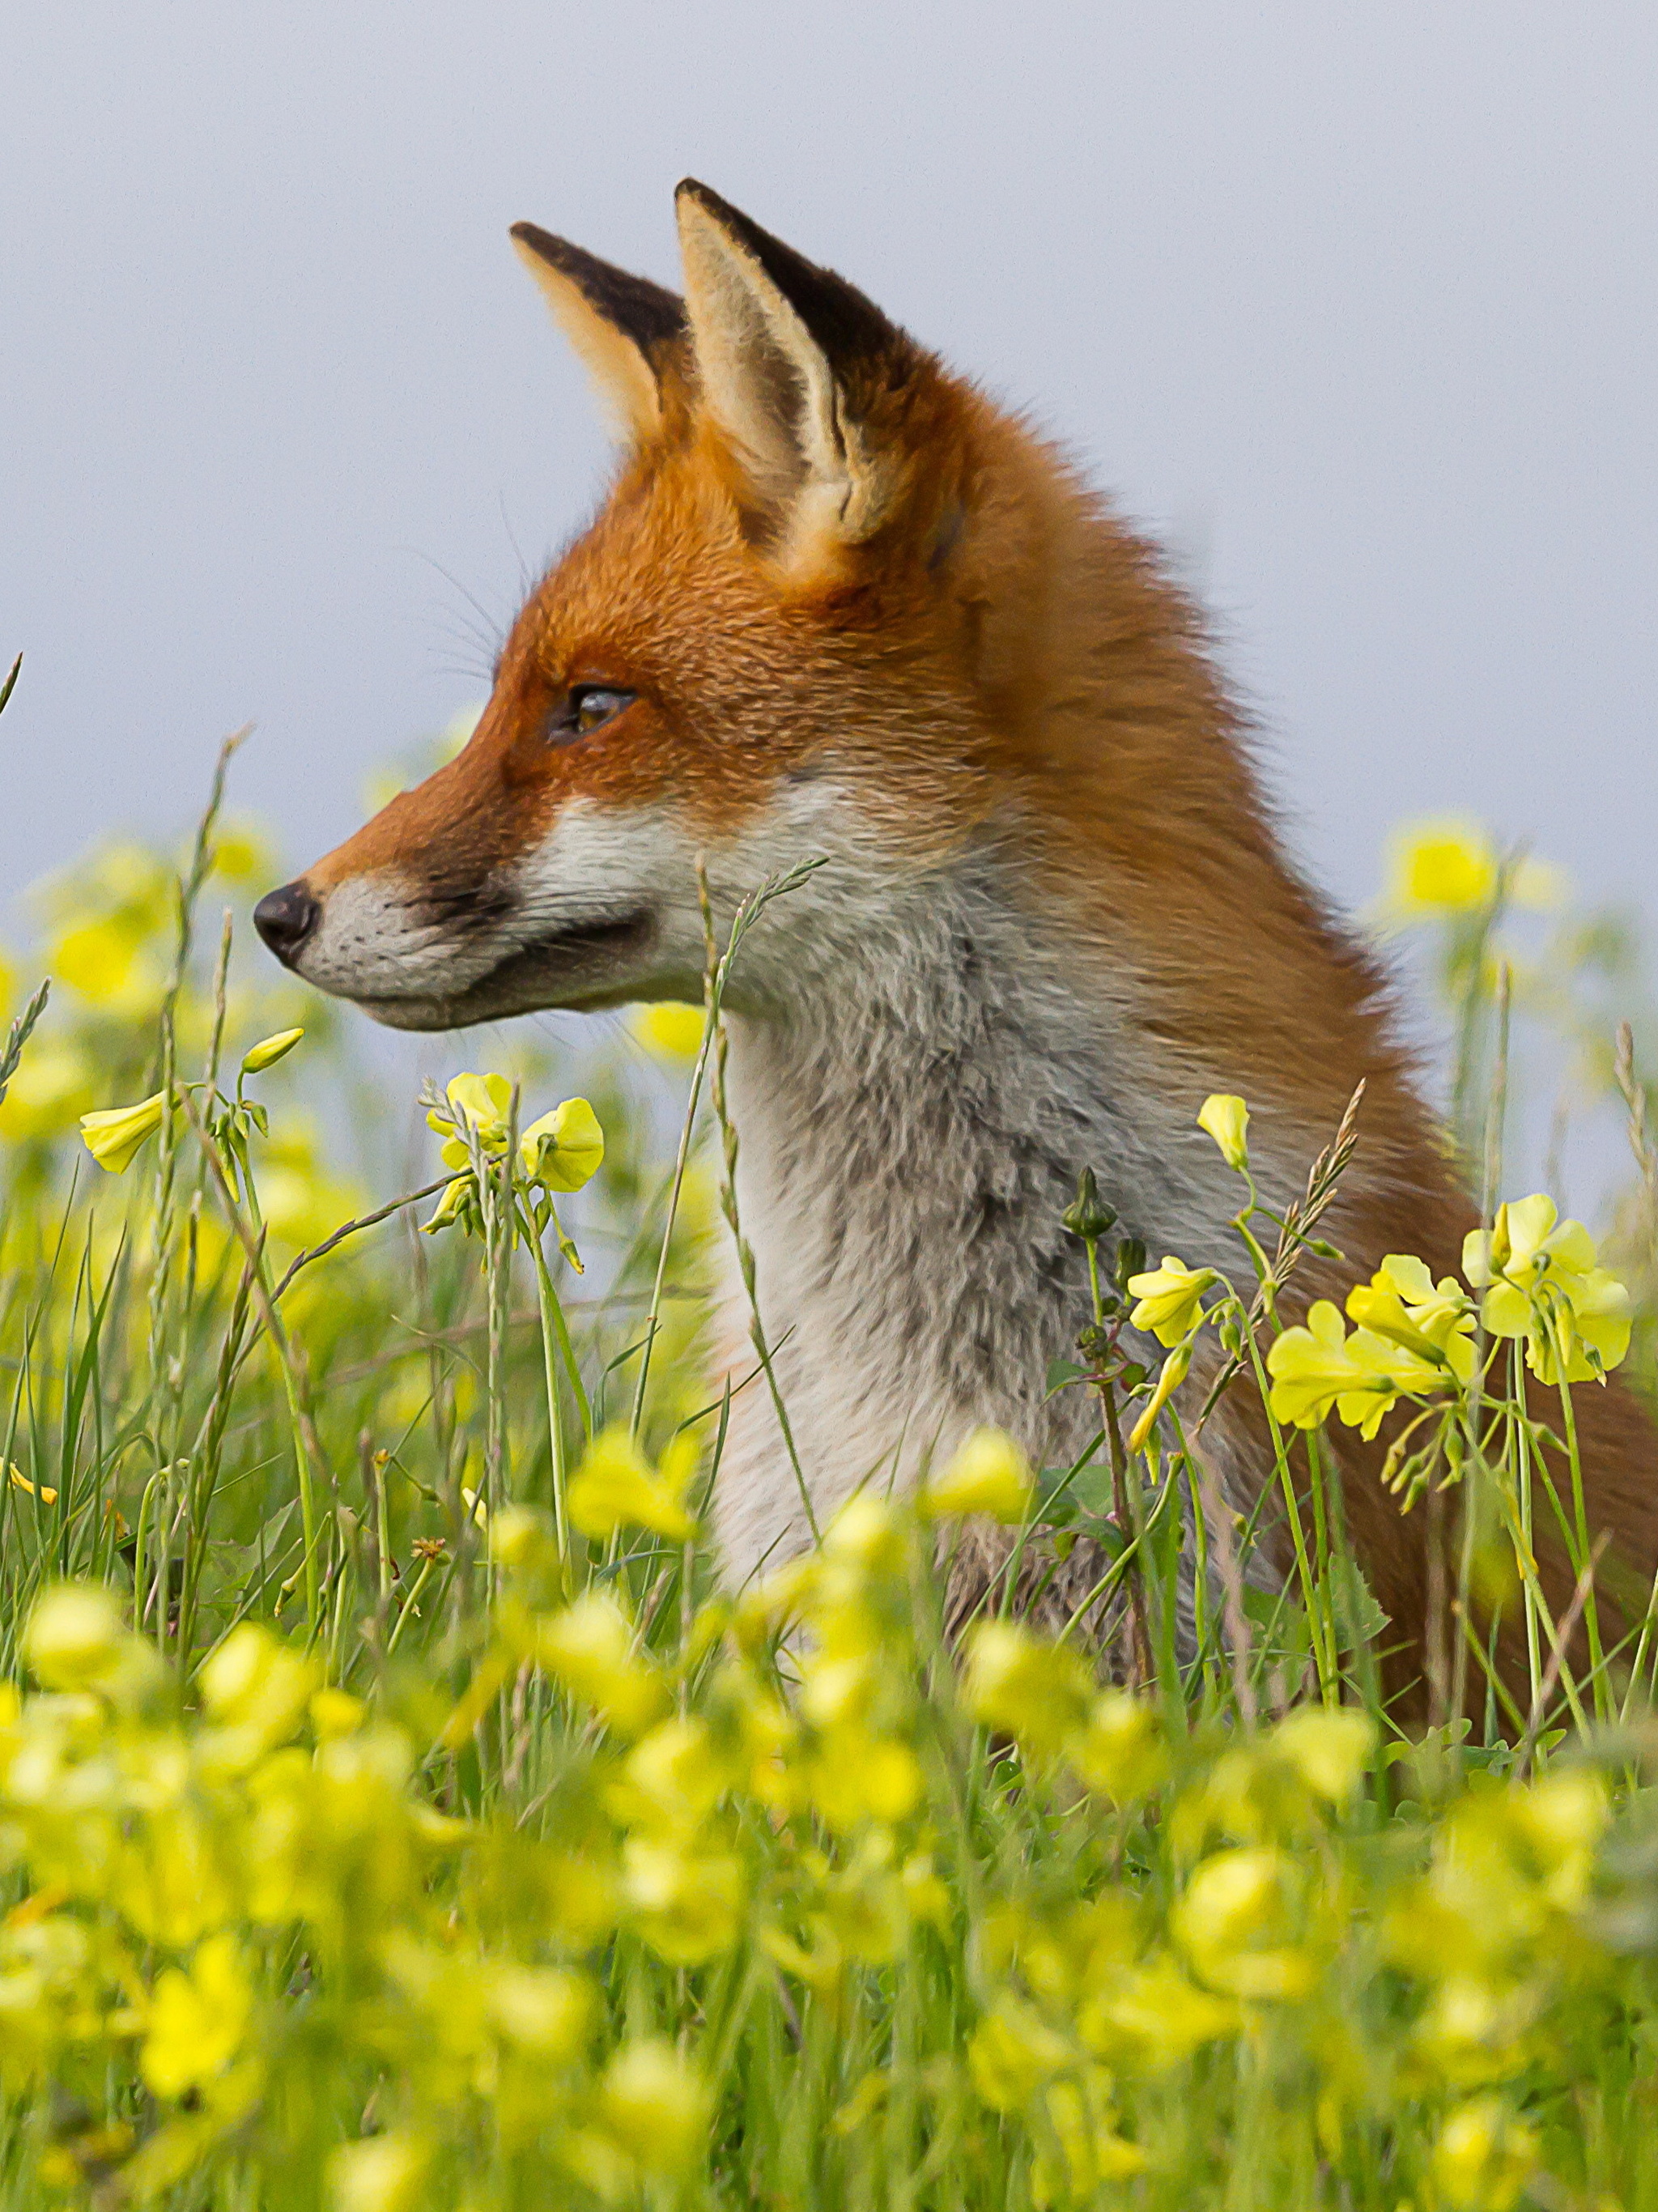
pixel 285 918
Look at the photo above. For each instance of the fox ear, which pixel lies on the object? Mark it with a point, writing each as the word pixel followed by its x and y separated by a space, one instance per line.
pixel 786 353
pixel 625 328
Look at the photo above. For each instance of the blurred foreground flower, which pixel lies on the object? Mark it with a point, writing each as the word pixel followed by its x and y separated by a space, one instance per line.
pixel 1237 1924
pixel 615 1487
pixel 1039 1693
pixel 381 2173
pixel 197 2020
pixel 1484 2157
pixel 987 1474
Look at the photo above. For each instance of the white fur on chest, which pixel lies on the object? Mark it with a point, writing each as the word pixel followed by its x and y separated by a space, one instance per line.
pixel 910 1133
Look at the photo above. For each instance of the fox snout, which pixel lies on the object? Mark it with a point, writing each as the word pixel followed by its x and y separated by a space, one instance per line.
pixel 285 918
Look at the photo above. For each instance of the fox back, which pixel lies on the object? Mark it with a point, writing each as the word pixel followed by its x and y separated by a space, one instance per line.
pixel 837 606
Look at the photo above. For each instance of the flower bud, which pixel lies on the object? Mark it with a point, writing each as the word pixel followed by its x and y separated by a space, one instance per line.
pixel 269 1050
pixel 1226 1119
pixel 1176 1369
pixel 1088 1215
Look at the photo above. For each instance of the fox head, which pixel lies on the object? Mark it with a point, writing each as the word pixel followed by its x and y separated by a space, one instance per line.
pixel 808 622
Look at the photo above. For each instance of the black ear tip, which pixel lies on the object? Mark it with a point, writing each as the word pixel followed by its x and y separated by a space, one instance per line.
pixel 688 188
pixel 540 241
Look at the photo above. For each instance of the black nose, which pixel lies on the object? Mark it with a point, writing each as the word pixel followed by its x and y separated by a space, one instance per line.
pixel 285 919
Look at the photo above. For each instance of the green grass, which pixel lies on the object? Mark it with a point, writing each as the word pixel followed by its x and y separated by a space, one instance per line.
pixel 404 1816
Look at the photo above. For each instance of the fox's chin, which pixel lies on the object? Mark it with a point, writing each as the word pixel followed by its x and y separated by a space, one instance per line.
pixel 600 964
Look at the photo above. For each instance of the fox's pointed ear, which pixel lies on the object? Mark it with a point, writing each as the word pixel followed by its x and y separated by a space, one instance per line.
pixel 788 354
pixel 626 329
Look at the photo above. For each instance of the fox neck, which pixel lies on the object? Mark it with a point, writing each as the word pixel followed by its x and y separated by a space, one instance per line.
pixel 910 1132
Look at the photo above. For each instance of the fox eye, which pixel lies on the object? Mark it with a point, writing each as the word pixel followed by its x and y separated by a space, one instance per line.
pixel 587 707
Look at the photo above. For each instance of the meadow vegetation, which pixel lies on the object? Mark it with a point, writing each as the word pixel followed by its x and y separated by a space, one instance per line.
pixel 396 1811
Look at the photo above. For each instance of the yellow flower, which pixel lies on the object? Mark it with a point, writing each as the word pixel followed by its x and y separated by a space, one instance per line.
pixel 545 2009
pixel 480 1103
pixel 269 1050
pixel 45 1492
pixel 1170 1298
pixel 1562 1819
pixel 1038 1693
pixel 1541 1282
pixel 1328 1749
pixel 381 2173
pixel 989 1473
pixel 1235 1923
pixel 1226 1119
pixel 1013 2051
pixel 668 1029
pixel 54 1084
pixel 1402 1303
pixel 336 1713
pixel 1155 2017
pixel 564 1148
pixel 686 1904
pixel 1362 1375
pixel 655 2107
pixel 673 1777
pixel 74 1637
pixel 452 1203
pixel 258 1687
pixel 1092 2152
pixel 615 1487
pixel 115 1135
pixel 1121 1752
pixel 589 1647
pixel 1485 2157
pixel 1441 867
pixel 1527 1241
pixel 240 854
pixel 197 2020
pixel 105 962
pixel 1176 1369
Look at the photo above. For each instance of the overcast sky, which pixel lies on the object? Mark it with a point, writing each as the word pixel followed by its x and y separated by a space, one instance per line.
pixel 1356 303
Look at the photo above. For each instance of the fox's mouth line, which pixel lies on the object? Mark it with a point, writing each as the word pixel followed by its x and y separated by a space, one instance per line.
pixel 578 946
pixel 606 933
pixel 582 949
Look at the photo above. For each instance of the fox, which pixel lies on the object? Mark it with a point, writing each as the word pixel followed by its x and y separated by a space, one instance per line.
pixel 839 606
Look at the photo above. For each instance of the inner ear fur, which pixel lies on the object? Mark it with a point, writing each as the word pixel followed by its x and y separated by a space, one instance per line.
pixel 626 330
pixel 788 354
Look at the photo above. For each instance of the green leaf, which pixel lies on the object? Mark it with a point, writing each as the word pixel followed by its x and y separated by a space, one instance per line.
pixel 1062 1373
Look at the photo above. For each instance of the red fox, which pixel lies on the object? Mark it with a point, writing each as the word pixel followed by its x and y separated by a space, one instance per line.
pixel 838 605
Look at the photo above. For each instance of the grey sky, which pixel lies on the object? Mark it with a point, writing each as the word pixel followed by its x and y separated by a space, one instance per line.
pixel 1357 301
